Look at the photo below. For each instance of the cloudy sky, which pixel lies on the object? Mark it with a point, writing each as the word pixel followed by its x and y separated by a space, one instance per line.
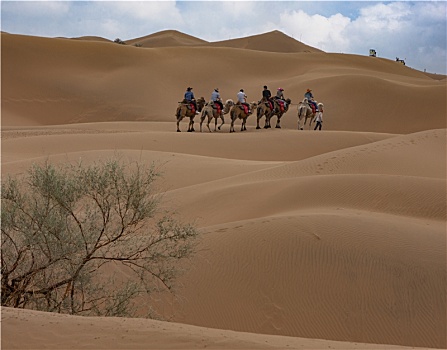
pixel 411 30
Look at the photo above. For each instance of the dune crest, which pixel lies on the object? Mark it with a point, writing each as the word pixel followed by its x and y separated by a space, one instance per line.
pixel 167 38
pixel 274 41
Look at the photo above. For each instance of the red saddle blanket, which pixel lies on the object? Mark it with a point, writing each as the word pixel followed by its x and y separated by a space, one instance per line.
pixel 245 108
pixel 281 105
pixel 192 108
pixel 217 106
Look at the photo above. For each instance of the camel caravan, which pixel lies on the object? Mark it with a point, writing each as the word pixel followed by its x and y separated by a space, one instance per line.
pixel 267 108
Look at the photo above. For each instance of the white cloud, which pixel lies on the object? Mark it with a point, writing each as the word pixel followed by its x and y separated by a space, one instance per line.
pixel 381 16
pixel 237 9
pixel 122 19
pixel 159 11
pixel 112 28
pixel 326 33
pixel 416 31
pixel 433 11
pixel 404 30
pixel 36 8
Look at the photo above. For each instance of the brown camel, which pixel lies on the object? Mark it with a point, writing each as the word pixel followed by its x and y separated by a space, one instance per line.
pixel 305 111
pixel 277 111
pixel 263 109
pixel 238 112
pixel 211 112
pixel 184 111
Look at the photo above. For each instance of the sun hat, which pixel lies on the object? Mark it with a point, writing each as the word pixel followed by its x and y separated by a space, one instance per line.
pixel 309 90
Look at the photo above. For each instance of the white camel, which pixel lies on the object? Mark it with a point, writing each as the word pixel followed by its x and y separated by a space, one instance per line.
pixel 211 112
pixel 306 112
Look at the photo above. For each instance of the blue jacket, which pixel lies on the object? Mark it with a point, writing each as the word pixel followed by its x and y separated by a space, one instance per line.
pixel 189 96
pixel 215 96
pixel 308 95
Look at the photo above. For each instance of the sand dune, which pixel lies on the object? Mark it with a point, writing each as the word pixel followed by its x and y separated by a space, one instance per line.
pixel 309 240
pixel 167 38
pixel 118 333
pixel 321 274
pixel 91 38
pixel 275 41
pixel 85 80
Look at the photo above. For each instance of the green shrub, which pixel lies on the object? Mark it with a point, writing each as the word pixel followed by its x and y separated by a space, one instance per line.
pixel 87 240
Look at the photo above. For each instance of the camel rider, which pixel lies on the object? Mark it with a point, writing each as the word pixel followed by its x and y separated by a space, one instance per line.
pixel 215 97
pixel 267 96
pixel 280 98
pixel 242 99
pixel 189 98
pixel 310 99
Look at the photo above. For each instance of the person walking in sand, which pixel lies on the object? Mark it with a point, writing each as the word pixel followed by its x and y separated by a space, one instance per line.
pixel 319 120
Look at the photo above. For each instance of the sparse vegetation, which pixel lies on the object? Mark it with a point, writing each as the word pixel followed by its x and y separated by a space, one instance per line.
pixel 119 41
pixel 87 240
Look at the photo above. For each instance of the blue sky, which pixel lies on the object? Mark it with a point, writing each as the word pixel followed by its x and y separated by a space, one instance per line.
pixel 411 30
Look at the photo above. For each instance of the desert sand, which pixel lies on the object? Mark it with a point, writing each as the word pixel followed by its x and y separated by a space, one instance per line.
pixel 309 239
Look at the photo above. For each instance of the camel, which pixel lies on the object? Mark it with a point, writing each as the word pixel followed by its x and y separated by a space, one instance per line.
pixel 263 110
pixel 237 112
pixel 210 112
pixel 184 111
pixel 277 111
pixel 306 112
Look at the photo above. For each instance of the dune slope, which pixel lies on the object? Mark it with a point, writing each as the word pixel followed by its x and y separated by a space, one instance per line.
pixel 97 81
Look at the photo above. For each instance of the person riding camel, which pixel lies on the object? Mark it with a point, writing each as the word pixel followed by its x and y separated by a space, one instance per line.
pixel 242 99
pixel 215 97
pixel 280 98
pixel 267 96
pixel 310 99
pixel 189 98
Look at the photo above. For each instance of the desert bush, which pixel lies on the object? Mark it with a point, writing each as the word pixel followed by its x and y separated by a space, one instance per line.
pixel 119 41
pixel 87 240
